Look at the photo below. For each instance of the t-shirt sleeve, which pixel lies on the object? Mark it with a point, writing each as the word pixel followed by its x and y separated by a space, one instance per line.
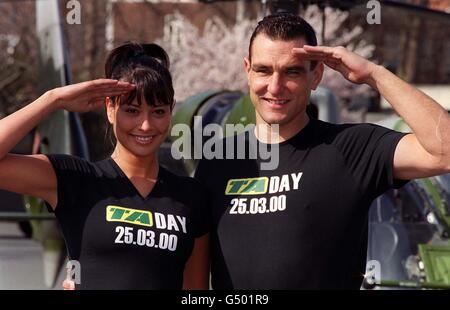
pixel 71 174
pixel 368 151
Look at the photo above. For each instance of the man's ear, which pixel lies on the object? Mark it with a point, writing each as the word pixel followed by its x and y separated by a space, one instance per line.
pixel 247 66
pixel 110 109
pixel 317 75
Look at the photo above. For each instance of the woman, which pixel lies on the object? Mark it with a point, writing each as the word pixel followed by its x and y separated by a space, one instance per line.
pixel 129 222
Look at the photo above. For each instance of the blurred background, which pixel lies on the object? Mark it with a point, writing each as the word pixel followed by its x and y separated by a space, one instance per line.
pixel 206 41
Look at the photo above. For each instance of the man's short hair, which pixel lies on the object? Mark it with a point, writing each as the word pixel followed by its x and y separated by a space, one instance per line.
pixel 285 27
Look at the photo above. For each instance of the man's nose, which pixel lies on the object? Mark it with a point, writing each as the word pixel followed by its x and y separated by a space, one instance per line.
pixel 275 84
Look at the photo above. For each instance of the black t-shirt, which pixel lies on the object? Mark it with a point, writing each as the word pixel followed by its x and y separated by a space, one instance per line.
pixel 121 239
pixel 304 224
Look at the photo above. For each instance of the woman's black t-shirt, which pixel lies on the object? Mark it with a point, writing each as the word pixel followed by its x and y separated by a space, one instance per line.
pixel 121 239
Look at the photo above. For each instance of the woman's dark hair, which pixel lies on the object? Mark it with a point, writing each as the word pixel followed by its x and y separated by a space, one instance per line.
pixel 146 66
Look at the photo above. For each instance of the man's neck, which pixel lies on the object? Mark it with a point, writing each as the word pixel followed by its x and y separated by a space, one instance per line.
pixel 275 133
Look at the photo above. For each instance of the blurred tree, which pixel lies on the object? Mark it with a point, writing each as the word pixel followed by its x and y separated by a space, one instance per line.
pixel 209 60
pixel 18 56
pixel 213 59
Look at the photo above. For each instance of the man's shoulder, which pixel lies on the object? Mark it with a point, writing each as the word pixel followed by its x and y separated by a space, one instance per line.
pixel 175 179
pixel 229 145
pixel 346 129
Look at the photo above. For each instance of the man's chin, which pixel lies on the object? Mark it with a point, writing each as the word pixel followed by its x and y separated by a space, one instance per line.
pixel 275 120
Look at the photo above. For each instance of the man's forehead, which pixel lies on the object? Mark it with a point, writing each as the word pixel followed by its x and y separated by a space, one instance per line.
pixel 279 60
pixel 261 37
pixel 280 65
pixel 265 49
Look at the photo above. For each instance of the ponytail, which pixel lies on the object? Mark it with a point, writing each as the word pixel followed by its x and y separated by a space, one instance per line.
pixel 134 53
pixel 146 66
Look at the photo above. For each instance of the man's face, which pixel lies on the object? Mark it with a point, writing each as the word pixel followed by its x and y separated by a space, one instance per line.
pixel 280 83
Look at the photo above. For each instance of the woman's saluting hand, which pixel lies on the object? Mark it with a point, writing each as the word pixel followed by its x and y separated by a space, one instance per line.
pixel 89 95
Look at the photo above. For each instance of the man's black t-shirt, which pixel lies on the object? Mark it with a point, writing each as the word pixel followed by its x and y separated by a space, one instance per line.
pixel 304 224
pixel 121 239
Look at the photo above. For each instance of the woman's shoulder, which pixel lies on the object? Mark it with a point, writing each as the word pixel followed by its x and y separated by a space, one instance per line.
pixel 68 162
pixel 74 164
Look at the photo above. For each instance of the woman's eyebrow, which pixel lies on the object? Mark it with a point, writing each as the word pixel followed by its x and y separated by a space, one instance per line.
pixel 132 104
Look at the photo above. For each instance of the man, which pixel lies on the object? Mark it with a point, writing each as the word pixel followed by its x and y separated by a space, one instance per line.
pixel 304 224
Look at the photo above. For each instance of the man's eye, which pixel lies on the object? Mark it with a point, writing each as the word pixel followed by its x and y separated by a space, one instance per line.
pixel 262 70
pixel 293 72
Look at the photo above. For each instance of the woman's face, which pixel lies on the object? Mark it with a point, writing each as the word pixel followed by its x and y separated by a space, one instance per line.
pixel 140 129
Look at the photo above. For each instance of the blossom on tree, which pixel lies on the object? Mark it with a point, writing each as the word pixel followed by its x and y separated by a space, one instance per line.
pixel 213 58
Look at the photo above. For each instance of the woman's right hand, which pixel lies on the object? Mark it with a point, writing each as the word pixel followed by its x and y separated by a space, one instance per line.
pixel 68 283
pixel 88 96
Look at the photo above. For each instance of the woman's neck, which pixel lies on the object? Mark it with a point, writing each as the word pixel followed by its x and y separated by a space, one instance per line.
pixel 135 166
